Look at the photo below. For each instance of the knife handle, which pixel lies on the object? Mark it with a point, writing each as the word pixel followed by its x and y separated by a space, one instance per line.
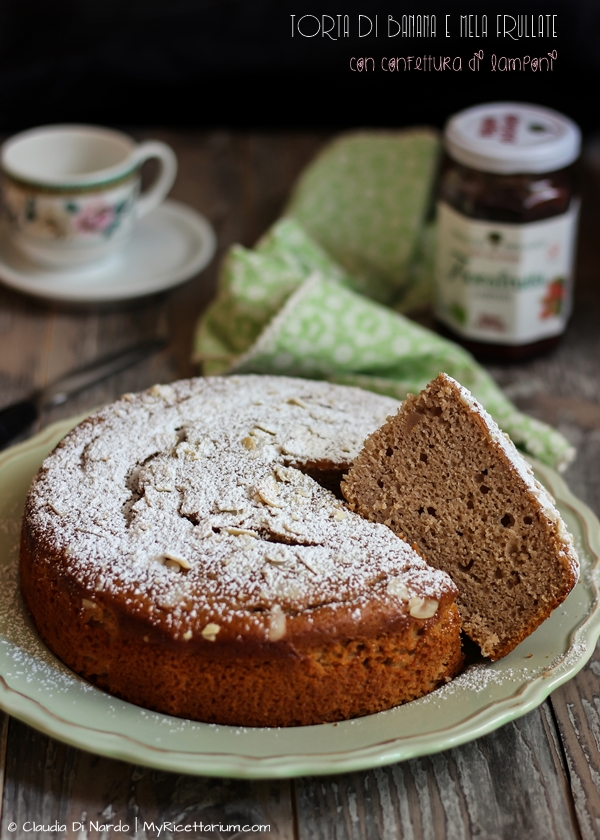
pixel 15 419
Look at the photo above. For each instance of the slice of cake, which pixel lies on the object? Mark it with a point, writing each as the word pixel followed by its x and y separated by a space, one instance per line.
pixel 442 475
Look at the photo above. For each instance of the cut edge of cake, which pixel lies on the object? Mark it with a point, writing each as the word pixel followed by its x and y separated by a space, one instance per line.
pixel 441 474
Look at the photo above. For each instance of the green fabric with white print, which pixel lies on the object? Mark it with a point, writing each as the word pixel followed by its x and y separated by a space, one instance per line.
pixel 365 199
pixel 287 307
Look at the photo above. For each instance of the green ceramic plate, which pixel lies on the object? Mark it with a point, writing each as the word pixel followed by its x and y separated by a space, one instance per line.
pixel 37 688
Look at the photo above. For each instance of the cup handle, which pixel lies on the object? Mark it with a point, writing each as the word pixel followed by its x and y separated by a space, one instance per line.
pixel 156 194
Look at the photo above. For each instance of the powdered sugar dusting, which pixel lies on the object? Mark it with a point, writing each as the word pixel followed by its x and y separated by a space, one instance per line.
pixel 191 498
pixel 23 656
pixel 483 676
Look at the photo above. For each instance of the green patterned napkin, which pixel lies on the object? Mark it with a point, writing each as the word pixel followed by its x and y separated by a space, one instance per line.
pixel 365 199
pixel 287 307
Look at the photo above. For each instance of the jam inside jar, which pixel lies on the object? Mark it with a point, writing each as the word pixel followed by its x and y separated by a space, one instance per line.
pixel 505 239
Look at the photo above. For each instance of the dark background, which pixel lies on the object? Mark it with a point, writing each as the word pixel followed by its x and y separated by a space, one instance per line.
pixel 211 63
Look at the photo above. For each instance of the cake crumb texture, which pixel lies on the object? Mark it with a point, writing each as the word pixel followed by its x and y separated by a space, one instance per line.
pixel 442 475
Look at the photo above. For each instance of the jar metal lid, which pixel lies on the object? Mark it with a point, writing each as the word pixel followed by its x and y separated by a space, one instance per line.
pixel 512 137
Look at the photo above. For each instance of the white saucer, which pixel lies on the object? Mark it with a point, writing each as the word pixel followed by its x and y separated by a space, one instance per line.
pixel 169 245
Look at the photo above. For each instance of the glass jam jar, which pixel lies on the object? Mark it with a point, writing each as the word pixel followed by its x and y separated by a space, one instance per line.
pixel 507 221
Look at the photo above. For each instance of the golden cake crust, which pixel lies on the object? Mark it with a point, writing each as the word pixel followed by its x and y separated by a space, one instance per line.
pixel 176 553
pixel 269 684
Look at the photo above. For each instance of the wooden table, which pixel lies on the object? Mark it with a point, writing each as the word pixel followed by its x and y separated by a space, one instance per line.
pixel 538 777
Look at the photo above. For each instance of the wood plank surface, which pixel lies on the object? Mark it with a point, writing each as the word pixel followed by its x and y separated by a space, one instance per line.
pixel 576 706
pixel 48 784
pixel 564 389
pixel 538 777
pixel 510 784
pixel 241 184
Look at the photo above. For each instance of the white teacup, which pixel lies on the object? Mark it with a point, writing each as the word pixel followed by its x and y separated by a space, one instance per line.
pixel 72 192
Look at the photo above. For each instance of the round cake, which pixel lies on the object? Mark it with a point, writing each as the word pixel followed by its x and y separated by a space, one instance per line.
pixel 187 549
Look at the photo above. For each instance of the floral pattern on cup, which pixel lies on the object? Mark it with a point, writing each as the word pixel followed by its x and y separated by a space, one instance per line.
pixel 72 192
pixel 59 217
pixel 98 216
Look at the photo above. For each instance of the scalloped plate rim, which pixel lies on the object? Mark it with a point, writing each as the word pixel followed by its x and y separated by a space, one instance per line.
pixel 239 765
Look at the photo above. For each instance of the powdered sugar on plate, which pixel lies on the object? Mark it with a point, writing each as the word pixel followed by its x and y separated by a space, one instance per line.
pixel 22 654
pixel 65 706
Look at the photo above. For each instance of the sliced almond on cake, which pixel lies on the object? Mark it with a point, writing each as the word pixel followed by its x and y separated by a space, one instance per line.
pixel 443 476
